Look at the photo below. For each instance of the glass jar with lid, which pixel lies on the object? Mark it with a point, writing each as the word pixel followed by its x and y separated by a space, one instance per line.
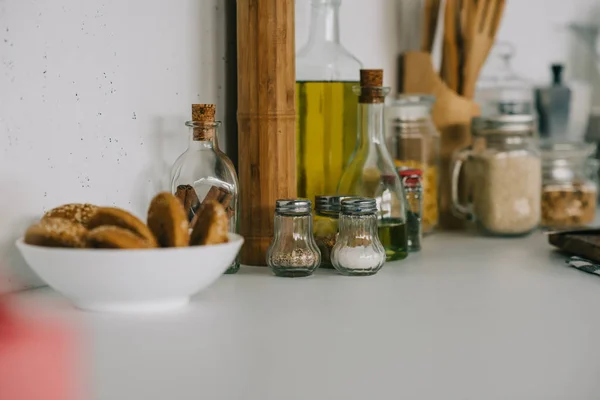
pixel 326 218
pixel 569 184
pixel 414 142
pixel 293 252
pixel 503 171
pixel 358 251
pixel 499 89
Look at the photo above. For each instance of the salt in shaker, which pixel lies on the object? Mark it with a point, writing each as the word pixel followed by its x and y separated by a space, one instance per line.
pixel 358 251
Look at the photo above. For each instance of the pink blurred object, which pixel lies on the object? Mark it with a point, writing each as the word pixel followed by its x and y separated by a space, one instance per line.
pixel 37 359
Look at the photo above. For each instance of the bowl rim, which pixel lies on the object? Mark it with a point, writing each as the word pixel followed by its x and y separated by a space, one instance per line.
pixel 233 239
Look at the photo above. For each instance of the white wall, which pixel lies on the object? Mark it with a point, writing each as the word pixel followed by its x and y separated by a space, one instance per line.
pixel 536 27
pixel 93 97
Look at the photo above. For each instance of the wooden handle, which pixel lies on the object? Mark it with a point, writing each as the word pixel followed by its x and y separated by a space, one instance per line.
pixel 266 118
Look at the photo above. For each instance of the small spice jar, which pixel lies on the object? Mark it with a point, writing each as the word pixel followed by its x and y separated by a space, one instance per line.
pixel 504 176
pixel 326 216
pixel 358 251
pixel 293 252
pixel 569 184
pixel 413 189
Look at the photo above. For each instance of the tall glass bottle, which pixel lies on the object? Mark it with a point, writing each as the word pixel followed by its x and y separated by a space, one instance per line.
pixel 371 171
pixel 203 172
pixel 326 106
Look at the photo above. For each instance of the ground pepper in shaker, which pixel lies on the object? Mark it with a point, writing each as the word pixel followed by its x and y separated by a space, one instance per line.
pixel 413 189
pixel 293 252
pixel 358 251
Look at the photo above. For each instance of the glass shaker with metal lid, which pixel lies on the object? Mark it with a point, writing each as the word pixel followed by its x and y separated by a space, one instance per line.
pixel 293 252
pixel 503 171
pixel 358 250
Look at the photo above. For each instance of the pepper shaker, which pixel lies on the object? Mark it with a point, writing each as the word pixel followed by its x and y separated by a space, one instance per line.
pixel 358 251
pixel 293 252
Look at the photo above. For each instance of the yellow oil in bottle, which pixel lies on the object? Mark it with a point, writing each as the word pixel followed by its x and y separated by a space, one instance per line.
pixel 325 134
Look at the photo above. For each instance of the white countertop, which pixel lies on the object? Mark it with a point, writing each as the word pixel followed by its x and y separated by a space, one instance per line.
pixel 468 318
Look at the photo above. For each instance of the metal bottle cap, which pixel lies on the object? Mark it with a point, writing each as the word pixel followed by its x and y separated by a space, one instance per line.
pixel 359 205
pixel 330 203
pixel 504 124
pixel 293 206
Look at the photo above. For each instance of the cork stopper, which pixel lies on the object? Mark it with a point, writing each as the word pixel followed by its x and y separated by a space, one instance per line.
pixel 203 112
pixel 371 86
pixel 203 118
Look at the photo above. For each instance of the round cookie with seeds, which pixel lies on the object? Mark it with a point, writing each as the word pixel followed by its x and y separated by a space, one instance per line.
pixel 75 212
pixel 117 217
pixel 168 221
pixel 114 237
pixel 56 232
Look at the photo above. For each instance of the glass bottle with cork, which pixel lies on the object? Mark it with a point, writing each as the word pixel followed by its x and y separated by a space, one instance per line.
pixel 326 106
pixel 204 173
pixel 371 171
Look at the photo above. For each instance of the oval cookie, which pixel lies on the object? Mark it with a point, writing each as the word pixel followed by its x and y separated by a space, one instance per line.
pixel 123 219
pixel 56 232
pixel 168 221
pixel 113 237
pixel 211 224
pixel 75 212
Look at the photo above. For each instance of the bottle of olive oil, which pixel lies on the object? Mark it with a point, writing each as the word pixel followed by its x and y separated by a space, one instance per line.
pixel 326 74
pixel 371 171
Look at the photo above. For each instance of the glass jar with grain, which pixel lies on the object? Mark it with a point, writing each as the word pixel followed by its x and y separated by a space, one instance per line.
pixel 504 176
pixel 414 142
pixel 569 184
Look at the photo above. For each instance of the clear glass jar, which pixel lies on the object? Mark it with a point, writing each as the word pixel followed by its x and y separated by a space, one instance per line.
pixel 293 252
pixel 503 171
pixel 358 251
pixel 411 180
pixel 499 89
pixel 371 172
pixel 569 184
pixel 325 103
pixel 326 224
pixel 414 142
pixel 203 172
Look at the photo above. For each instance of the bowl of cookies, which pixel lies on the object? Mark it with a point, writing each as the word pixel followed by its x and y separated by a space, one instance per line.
pixel 106 259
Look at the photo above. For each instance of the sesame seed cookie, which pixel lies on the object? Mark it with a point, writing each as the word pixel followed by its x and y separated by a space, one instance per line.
pixel 168 221
pixel 114 237
pixel 211 224
pixel 122 219
pixel 75 212
pixel 56 232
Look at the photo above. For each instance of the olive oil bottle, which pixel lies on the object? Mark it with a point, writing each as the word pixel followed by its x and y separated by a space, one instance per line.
pixel 326 106
pixel 326 134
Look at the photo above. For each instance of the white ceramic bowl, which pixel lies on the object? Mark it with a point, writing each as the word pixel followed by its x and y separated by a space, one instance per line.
pixel 149 280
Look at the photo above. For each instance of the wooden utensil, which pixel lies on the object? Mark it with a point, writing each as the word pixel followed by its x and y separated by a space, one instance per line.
pixel 430 19
pixel 482 27
pixel 582 243
pixel 266 118
pixel 450 60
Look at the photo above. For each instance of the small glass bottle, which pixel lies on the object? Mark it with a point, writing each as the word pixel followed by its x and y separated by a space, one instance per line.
pixel 414 142
pixel 371 171
pixel 411 180
pixel 293 252
pixel 203 172
pixel 358 251
pixel 326 106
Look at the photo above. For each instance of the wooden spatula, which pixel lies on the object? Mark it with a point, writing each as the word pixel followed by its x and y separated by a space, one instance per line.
pixel 430 19
pixel 450 61
pixel 481 33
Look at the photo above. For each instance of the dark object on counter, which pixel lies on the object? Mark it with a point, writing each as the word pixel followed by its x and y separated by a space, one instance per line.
pixel 413 190
pixel 553 105
pixel 583 243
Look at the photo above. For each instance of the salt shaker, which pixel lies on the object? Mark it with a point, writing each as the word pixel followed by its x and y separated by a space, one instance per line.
pixel 413 190
pixel 293 252
pixel 358 251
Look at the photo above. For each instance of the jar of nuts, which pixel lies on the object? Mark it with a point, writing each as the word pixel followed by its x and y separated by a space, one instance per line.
pixel 569 184
pixel 414 142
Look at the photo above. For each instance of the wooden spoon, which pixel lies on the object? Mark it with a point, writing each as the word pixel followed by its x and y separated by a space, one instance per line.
pixel 482 30
pixel 430 19
pixel 450 61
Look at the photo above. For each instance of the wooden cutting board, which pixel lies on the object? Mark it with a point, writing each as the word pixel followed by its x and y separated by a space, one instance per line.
pixel 582 243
